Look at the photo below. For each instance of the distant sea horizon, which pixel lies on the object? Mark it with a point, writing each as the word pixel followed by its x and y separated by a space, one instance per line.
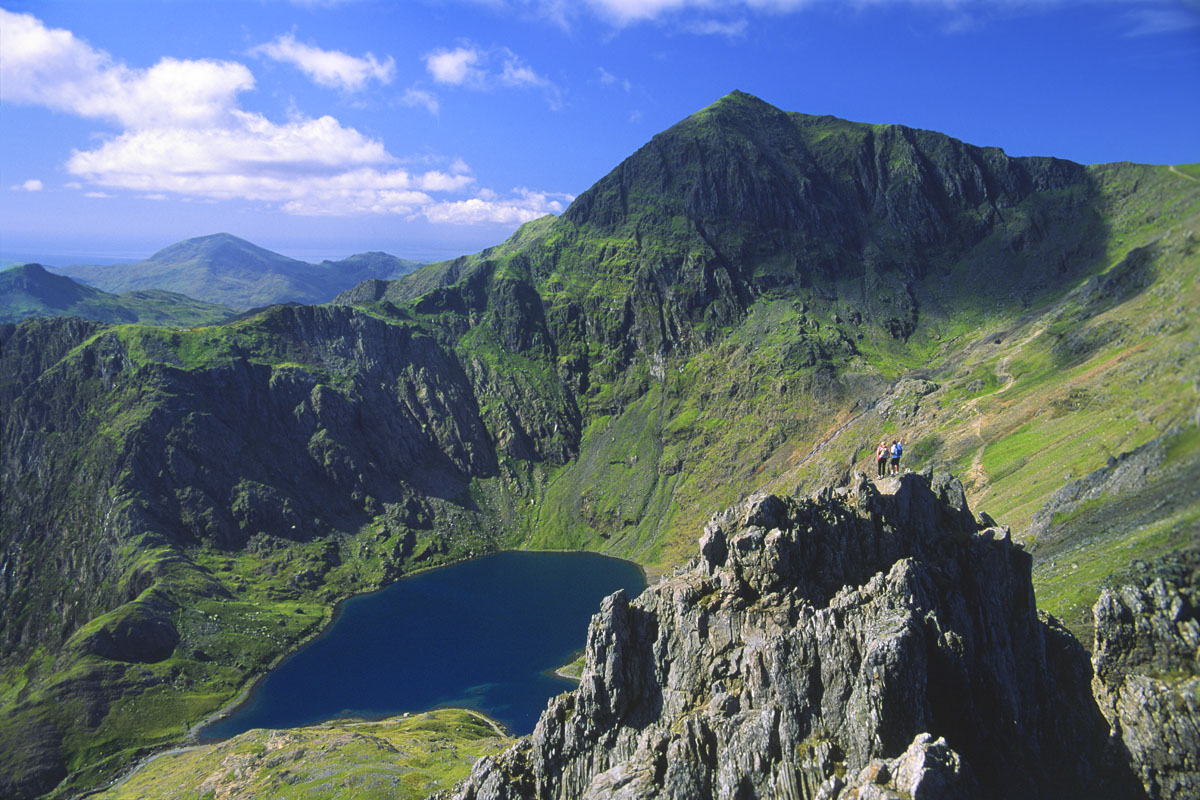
pixel 12 259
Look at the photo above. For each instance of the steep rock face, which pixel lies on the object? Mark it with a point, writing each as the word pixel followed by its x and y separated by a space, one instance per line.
pixel 1147 673
pixel 862 643
pixel 301 421
pixel 742 199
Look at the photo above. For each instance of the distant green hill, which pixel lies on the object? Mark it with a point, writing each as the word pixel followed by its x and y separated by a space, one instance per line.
pixel 30 291
pixel 230 271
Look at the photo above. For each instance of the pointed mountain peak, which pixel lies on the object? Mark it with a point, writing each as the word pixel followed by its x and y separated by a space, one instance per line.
pixel 738 108
pixel 31 270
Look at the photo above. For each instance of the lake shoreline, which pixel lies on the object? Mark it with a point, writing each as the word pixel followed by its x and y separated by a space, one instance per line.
pixel 532 578
pixel 194 735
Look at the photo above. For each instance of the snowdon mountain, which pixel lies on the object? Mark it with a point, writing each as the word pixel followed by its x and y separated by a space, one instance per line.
pixel 30 291
pixel 230 271
pixel 750 302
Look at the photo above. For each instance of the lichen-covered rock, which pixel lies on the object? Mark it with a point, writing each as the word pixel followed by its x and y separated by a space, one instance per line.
pixel 1147 680
pixel 858 644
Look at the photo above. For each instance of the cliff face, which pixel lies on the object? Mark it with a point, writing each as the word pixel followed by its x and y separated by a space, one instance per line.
pixel 743 199
pixel 866 642
pixel 1147 672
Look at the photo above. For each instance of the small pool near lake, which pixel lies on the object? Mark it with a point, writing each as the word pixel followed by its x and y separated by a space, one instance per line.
pixel 485 634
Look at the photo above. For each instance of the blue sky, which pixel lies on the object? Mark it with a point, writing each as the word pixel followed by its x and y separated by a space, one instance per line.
pixel 432 128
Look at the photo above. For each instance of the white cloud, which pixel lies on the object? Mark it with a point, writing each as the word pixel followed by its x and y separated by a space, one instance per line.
pixel 184 135
pixel 455 67
pixel 31 185
pixel 97 195
pixel 420 97
pixel 332 69
pixel 52 68
pixel 524 205
pixel 471 67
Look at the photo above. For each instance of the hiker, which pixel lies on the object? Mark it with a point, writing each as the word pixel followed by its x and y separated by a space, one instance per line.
pixel 897 451
pixel 881 458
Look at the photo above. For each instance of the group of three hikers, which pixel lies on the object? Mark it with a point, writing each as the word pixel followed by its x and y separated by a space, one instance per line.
pixel 883 452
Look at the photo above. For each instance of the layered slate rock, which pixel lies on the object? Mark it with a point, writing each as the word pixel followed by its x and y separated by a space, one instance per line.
pixel 1147 683
pixel 870 641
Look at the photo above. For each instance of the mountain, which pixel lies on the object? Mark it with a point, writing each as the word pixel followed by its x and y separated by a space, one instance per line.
pixel 750 302
pixel 230 271
pixel 30 291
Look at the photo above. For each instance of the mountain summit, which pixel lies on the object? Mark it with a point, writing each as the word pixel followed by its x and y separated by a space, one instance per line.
pixel 222 268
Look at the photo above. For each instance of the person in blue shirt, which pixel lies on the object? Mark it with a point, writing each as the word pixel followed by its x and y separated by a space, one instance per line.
pixel 897 451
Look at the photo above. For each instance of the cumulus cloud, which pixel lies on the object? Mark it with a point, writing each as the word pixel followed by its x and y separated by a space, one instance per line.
pixel 481 69
pixel 52 68
pixel 332 69
pixel 522 206
pixel 457 67
pixel 31 185
pixel 183 133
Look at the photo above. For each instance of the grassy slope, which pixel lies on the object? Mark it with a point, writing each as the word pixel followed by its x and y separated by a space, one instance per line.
pixel 29 291
pixel 1086 374
pixel 1030 402
pixel 402 757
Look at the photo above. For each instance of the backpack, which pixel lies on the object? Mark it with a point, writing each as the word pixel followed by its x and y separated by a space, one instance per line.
pixel 897 450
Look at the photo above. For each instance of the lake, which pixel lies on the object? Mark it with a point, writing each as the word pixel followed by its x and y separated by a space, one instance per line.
pixel 485 634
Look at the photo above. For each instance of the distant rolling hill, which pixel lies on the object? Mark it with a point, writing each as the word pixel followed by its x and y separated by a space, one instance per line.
pixel 224 269
pixel 30 291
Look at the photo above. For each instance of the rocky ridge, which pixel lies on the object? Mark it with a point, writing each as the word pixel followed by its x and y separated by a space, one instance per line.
pixel 1147 672
pixel 869 641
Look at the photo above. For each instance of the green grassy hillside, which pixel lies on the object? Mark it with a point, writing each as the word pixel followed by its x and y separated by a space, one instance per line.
pixel 29 290
pixel 405 758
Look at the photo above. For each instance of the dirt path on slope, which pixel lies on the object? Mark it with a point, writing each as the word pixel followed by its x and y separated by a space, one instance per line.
pixel 139 766
pixel 976 475
pixel 1183 174
pixel 820 446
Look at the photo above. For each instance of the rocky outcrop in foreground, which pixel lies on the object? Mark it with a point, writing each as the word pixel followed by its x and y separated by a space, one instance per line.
pixel 869 642
pixel 1147 682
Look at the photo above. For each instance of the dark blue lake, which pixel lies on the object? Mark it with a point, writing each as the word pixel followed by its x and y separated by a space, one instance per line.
pixel 485 634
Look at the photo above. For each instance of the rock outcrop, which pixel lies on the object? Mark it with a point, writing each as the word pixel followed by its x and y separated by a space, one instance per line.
pixel 1146 680
pixel 871 641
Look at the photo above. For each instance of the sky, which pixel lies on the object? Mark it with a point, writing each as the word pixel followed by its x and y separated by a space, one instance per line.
pixel 433 128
